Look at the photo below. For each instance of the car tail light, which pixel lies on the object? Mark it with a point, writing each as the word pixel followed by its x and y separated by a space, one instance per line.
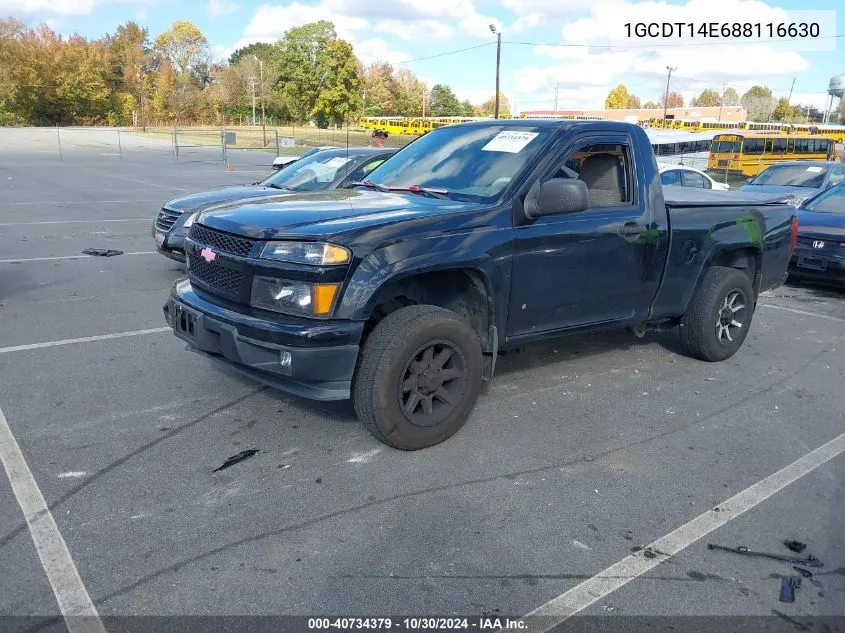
pixel 794 237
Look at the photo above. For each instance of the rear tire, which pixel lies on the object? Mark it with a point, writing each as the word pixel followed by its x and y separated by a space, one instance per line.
pixel 418 377
pixel 717 321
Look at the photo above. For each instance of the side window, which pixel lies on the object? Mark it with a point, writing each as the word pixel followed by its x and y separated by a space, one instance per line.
pixel 837 176
pixel 606 170
pixel 692 179
pixel 362 171
pixel 671 177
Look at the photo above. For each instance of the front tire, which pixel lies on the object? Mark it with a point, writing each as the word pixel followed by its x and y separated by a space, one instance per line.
pixel 418 377
pixel 717 321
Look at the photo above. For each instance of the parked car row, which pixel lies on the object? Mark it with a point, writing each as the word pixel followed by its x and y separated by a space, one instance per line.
pixel 395 280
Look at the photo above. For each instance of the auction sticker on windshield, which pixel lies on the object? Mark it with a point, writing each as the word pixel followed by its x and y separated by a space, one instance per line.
pixel 814 170
pixel 509 141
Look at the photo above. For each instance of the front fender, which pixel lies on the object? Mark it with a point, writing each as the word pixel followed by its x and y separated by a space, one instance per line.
pixel 487 252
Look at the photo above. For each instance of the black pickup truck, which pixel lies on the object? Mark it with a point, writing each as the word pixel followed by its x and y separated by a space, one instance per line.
pixel 400 291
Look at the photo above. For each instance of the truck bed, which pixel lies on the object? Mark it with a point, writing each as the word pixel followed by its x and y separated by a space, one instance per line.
pixel 675 196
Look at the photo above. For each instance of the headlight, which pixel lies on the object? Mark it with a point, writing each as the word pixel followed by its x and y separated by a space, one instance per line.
pixel 190 220
pixel 293 297
pixel 313 253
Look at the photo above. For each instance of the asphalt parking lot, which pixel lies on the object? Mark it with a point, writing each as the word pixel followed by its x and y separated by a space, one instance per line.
pixel 577 453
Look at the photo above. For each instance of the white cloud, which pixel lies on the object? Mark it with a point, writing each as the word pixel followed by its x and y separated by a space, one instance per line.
pixel 423 31
pixel 586 73
pixel 271 21
pixel 376 49
pixel 217 8
pixel 54 7
pixel 60 7
pixel 221 53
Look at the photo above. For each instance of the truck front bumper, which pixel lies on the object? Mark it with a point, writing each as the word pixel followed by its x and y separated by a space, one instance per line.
pixel 309 358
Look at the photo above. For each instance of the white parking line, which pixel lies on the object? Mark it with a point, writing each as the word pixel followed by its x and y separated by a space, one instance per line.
pixel 620 574
pixel 75 222
pixel 75 604
pixel 47 259
pixel 84 339
pixel 804 312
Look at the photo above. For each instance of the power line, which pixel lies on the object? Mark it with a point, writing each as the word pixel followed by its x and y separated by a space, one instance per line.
pixel 460 50
pixel 721 43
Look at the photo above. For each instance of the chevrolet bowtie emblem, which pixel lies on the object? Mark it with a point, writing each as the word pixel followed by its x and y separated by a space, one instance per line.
pixel 208 255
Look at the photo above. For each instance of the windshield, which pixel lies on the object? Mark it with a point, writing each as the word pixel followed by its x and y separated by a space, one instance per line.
pixel 313 173
pixel 472 163
pixel 792 176
pixel 831 201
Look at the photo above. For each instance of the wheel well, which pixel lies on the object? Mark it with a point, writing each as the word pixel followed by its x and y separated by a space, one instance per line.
pixel 462 291
pixel 745 259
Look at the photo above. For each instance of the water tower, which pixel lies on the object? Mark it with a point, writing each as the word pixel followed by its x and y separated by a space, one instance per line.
pixel 836 90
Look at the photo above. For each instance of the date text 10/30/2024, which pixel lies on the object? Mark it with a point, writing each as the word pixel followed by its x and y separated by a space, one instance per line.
pixel 793 30
pixel 416 624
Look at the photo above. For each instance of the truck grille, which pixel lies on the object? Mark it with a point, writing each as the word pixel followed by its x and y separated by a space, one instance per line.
pixel 166 218
pixel 219 240
pixel 219 279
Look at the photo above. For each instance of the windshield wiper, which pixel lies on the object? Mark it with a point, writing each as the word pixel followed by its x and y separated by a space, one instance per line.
pixel 275 186
pixel 432 193
pixel 426 191
pixel 371 185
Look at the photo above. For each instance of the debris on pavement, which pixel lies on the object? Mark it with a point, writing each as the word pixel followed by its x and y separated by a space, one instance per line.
pixel 795 546
pixel 788 585
pixel 810 561
pixel 804 572
pixel 102 252
pixel 235 459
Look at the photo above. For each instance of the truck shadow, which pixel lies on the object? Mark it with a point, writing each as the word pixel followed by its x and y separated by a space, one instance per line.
pixel 574 348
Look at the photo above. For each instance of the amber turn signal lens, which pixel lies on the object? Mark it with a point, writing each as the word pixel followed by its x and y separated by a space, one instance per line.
pixel 334 255
pixel 324 295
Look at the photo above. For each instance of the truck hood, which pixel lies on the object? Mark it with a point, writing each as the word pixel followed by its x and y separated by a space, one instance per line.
pixel 325 213
pixel 206 199
pixel 821 225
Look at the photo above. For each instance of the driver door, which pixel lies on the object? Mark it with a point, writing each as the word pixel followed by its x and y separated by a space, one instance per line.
pixel 590 267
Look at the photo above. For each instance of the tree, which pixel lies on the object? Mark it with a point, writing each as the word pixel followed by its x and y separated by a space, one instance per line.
pixel 380 90
pixel 617 98
pixel 676 100
pixel 488 108
pixel 785 112
pixel 730 98
pixel 185 47
pixel 467 109
pixel 758 103
pixel 262 50
pixel 409 93
pixel 634 102
pixel 298 64
pixel 650 105
pixel 707 98
pixel 443 102
pixel 337 100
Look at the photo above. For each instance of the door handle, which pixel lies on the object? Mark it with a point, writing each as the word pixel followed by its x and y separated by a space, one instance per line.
pixel 631 228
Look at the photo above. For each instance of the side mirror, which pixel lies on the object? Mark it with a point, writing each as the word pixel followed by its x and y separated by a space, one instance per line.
pixel 559 195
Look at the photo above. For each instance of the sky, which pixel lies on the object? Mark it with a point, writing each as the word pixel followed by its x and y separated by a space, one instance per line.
pixel 581 49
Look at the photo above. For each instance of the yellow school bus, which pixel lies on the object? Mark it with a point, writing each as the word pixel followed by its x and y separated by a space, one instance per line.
pixel 749 154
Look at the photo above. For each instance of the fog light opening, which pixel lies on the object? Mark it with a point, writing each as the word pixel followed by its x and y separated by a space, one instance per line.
pixel 286 361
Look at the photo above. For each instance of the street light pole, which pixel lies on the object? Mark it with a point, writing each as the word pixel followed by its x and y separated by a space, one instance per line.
pixel 666 96
pixel 498 63
pixel 263 115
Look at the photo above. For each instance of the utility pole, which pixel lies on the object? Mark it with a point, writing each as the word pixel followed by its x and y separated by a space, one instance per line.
pixel 252 88
pixel 498 63
pixel 423 91
pixel 263 115
pixel 557 85
pixel 789 98
pixel 722 102
pixel 666 96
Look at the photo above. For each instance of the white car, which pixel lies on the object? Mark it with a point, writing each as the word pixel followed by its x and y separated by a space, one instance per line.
pixel 280 162
pixel 683 176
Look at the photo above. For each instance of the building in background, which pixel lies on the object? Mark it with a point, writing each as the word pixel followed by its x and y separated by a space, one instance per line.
pixel 726 114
